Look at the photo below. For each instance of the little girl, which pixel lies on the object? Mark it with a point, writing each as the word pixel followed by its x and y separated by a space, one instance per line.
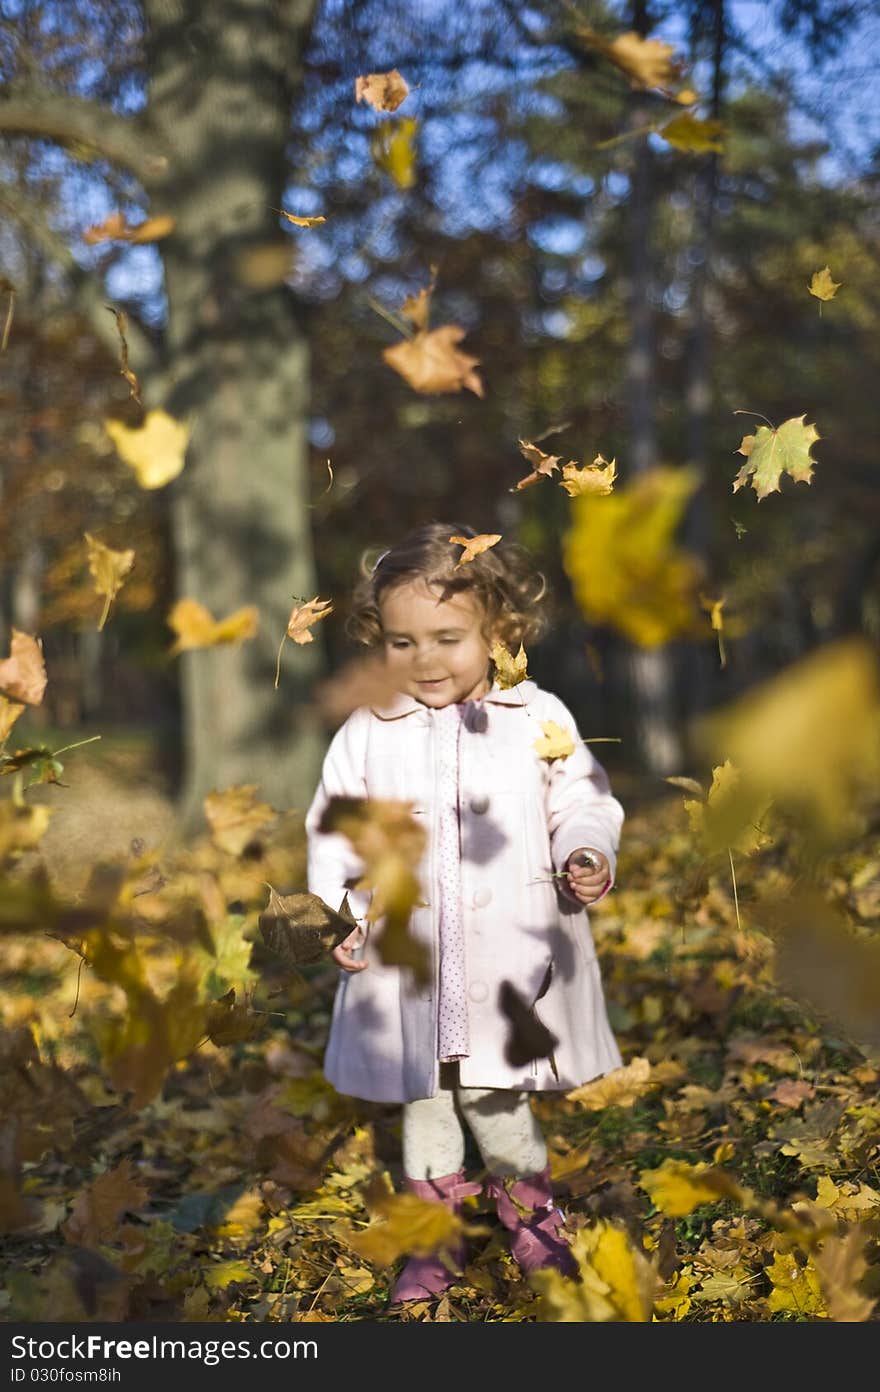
pixel 505 883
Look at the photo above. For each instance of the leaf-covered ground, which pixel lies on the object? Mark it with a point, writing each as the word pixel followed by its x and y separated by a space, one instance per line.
pixel 235 1185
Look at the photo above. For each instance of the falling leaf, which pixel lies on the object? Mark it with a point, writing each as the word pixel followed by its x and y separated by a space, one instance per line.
pixel 431 363
pixel 300 928
pixel 596 478
pixel 808 738
pixel 622 1087
pixel 417 308
pixel 301 221
pixel 197 628
pixel 822 286
pixel 555 742
pixel 770 453
pixel 155 450
pixel 617 1282
pixel 384 91
pixel 7 287
pixel 393 148
pixel 23 672
pixel 509 670
pixel 115 228
pixel 360 682
pixel 390 843
pixel 21 828
pixel 125 370
pixel 677 1188
pixel 542 465
pixel 228 1023
pixel 713 607
pixel 407 1224
pixel 647 63
pixel 841 1265
pixel 474 546
pixel 9 713
pixel 235 817
pixel 689 133
pixel 303 616
pixel 108 569
pixel 718 818
pixel 625 569
pixel 97 1210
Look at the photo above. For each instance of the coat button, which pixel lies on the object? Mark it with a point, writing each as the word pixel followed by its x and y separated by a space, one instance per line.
pixel 482 898
pixel 479 804
pixel 478 991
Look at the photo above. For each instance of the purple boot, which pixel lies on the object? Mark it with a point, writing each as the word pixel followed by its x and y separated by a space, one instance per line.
pixel 527 1210
pixel 423 1277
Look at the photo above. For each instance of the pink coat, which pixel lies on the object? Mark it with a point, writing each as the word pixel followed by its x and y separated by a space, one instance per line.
pixel 521 817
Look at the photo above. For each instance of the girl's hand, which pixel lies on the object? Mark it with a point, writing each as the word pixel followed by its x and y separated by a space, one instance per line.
pixel 587 882
pixel 342 952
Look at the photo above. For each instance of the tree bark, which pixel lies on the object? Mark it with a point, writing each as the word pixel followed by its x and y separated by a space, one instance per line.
pixel 221 87
pixel 650 669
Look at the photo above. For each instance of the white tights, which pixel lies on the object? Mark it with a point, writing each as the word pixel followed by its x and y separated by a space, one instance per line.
pixel 501 1121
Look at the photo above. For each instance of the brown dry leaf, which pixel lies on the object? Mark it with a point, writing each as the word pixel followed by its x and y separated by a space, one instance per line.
pixel 474 546
pixel 301 928
pixel 510 669
pixel 304 616
pixel 791 1092
pixel 841 1265
pixel 108 569
pixel 596 479
pixel 235 817
pixel 431 363
pixel 98 1209
pixel 115 228
pixel 361 682
pixel 196 627
pixel 384 91
pixel 417 308
pixel 620 1088
pixel 390 842
pixel 9 713
pixel 124 370
pixel 542 465
pixel 23 673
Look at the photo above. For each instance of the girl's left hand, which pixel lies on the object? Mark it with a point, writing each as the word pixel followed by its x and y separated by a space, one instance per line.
pixel 586 883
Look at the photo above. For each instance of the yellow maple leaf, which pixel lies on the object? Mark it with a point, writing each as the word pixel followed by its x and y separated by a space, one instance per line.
pixel 808 738
pixel 383 91
pixel 108 569
pixel 619 1088
pixel 474 546
pixel 624 567
pixel 596 478
pixel 9 713
pixel 617 1282
pixel 822 286
pixel 432 364
pixel 510 670
pixel 687 132
pixel 155 450
pixel 648 63
pixel 408 1224
pixel 235 817
pixel 393 149
pixel 21 828
pixel 677 1188
pixel 555 742
pixel 796 1289
pixel 219 1275
pixel 23 672
pixel 196 627
pixel 719 821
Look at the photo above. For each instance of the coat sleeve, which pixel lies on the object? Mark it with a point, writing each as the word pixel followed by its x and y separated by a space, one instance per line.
pixel 581 810
pixel 331 861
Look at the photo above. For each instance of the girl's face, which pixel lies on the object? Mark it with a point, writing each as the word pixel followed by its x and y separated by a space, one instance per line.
pixel 436 649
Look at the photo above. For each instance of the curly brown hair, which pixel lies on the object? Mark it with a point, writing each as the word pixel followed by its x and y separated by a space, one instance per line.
pixel 503 581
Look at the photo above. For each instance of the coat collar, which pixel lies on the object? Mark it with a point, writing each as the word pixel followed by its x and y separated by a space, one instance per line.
pixel 402 704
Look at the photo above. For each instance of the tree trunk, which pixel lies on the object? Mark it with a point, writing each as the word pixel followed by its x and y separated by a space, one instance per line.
pixel 237 366
pixel 651 671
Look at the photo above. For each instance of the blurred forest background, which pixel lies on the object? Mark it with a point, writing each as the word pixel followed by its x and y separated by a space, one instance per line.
pixel 259 317
pixel 624 291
